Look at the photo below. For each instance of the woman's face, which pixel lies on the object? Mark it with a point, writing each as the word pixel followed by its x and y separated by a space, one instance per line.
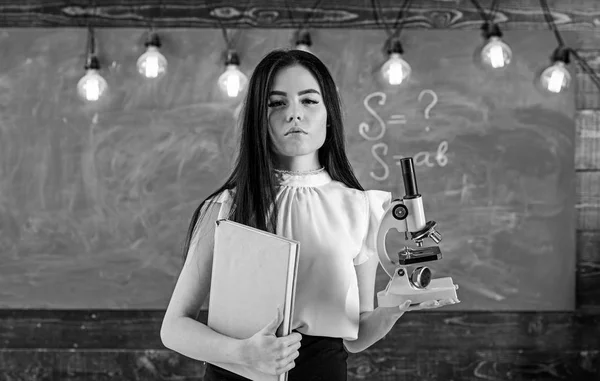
pixel 296 112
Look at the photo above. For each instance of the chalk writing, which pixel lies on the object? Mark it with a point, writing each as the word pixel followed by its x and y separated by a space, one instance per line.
pixel 386 169
pixel 364 128
pixel 465 191
pixel 380 150
pixel 423 158
pixel 397 119
pixel 429 106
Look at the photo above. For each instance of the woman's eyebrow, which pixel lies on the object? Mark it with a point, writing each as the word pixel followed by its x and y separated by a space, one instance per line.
pixel 283 93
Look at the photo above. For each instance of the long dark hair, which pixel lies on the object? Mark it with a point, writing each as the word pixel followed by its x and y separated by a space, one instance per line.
pixel 254 193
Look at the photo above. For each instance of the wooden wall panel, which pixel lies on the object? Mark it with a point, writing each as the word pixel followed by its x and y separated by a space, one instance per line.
pixel 587 140
pixel 124 345
pixel 588 95
pixel 588 272
pixel 376 364
pixel 129 330
pixel 588 205
pixel 460 14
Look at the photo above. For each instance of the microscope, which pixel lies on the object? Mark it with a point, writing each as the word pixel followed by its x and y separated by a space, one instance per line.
pixel 410 279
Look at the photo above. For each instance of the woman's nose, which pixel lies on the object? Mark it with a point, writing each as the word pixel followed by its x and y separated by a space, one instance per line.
pixel 294 114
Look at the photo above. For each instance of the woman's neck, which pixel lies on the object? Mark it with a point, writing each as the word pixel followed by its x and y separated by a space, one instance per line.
pixel 298 163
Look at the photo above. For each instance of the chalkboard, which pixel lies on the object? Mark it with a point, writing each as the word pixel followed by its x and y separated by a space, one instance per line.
pixel 95 199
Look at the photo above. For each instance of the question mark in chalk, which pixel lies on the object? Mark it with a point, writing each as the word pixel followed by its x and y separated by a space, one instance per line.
pixel 429 106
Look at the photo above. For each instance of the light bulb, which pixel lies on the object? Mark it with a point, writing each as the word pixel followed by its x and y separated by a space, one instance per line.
pixel 303 47
pixel 395 70
pixel 232 82
pixel 91 86
pixel 303 40
pixel 152 64
pixel 496 53
pixel 556 78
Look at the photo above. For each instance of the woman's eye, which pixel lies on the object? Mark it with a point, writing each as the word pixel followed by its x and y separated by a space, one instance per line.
pixel 275 104
pixel 310 101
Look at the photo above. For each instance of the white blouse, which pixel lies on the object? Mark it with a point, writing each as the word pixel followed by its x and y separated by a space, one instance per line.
pixel 336 227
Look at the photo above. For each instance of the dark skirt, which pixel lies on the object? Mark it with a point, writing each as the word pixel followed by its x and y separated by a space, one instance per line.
pixel 320 359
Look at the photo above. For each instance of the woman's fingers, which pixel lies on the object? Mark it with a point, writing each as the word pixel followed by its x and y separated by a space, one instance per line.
pixel 434 304
pixel 291 350
pixel 287 363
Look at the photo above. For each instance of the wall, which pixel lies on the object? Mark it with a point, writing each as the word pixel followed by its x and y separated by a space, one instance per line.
pixel 96 344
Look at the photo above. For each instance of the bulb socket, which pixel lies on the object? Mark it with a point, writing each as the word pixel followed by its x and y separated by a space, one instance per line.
pixel 232 58
pixel 491 30
pixel 562 54
pixel 92 63
pixel 394 46
pixel 303 38
pixel 153 40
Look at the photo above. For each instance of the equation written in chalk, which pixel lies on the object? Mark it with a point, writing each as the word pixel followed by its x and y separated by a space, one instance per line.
pixel 380 150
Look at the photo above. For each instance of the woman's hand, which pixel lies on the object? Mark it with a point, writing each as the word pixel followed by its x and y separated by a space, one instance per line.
pixel 432 304
pixel 395 313
pixel 271 354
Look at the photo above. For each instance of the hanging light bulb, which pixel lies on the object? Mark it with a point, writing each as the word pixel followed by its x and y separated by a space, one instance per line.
pixel 232 82
pixel 91 86
pixel 556 77
pixel 396 70
pixel 152 64
pixel 303 41
pixel 496 53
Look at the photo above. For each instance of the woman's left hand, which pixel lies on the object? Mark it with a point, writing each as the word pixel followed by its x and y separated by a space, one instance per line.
pixel 433 304
pixel 394 313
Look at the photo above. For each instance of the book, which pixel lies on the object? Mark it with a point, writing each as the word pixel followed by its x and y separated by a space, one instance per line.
pixel 253 273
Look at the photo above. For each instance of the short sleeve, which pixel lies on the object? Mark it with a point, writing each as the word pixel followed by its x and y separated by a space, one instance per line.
pixel 377 202
pixel 219 205
pixel 225 199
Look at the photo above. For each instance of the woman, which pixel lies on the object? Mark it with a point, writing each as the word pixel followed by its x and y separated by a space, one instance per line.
pixel 292 177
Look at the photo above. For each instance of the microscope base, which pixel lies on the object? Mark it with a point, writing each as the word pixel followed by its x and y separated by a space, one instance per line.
pixel 438 289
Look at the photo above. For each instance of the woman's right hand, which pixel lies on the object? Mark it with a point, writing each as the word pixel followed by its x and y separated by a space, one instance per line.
pixel 271 354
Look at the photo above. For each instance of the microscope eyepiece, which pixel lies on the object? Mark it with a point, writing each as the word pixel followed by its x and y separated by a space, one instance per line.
pixel 408 176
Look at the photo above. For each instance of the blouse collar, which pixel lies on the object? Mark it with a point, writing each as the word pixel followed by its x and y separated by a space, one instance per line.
pixel 314 178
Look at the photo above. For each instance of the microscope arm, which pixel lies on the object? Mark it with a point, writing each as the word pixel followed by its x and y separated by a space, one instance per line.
pixel 388 222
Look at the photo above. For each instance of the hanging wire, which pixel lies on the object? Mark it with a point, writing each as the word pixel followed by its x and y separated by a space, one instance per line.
pixel 92 31
pixel 550 21
pixel 494 10
pixel 489 27
pixel 154 14
pixel 397 28
pixel 586 68
pixel 90 48
pixel 228 42
pixel 161 12
pixel 244 11
pixel 307 17
pixel 488 17
pixel 224 32
pixel 561 44
pixel 91 44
